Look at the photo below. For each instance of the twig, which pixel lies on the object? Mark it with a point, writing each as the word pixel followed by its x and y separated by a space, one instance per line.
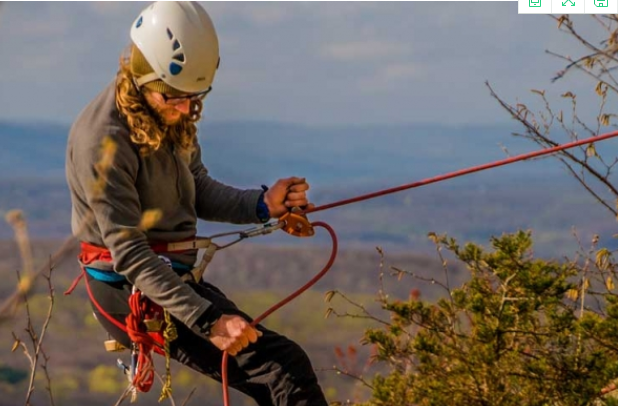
pixel 50 288
pixel 189 396
pixel 9 306
pixel 37 342
pixel 348 374
pixel 544 141
pixel 432 281
pixel 127 392
pixel 360 316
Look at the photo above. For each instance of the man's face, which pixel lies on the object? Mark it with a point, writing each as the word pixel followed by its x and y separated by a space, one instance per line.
pixel 171 111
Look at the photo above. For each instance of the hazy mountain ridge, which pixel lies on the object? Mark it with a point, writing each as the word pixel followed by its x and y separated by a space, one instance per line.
pixel 253 151
pixel 343 162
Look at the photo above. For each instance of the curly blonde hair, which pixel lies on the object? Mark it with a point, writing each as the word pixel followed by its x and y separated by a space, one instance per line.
pixel 147 131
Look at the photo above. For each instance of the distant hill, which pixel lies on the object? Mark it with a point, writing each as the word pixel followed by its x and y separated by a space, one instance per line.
pixel 252 152
pixel 342 162
pixel 32 150
pixel 358 155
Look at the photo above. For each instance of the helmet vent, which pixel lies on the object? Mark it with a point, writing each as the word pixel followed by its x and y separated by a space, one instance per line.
pixel 175 69
pixel 175 66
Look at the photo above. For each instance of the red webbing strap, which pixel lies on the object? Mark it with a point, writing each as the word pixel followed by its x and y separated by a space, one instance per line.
pixel 87 255
pixel 90 253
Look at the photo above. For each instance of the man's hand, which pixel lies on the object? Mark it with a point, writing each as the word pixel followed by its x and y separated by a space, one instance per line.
pixel 285 194
pixel 232 333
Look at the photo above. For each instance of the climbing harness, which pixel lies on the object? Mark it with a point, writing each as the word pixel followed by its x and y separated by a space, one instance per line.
pixel 296 223
pixel 149 326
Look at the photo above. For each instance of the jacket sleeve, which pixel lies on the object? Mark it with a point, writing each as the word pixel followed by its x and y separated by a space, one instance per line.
pixel 110 192
pixel 215 201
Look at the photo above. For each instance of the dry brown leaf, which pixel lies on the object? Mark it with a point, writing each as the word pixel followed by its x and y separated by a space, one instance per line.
pixel 150 218
pixel 602 259
pixel 591 151
pixel 572 294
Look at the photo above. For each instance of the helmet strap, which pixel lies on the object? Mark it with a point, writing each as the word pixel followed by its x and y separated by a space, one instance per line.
pixel 149 77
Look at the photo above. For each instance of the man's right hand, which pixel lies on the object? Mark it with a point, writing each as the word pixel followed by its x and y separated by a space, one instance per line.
pixel 232 333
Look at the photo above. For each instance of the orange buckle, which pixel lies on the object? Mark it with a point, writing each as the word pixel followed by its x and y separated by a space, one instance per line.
pixel 297 224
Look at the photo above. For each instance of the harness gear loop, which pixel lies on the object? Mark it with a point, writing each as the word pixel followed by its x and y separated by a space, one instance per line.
pixel 295 222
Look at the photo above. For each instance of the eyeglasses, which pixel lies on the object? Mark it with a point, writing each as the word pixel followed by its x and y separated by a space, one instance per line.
pixel 175 100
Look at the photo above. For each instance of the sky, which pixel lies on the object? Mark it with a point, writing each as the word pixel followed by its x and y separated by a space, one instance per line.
pixel 315 63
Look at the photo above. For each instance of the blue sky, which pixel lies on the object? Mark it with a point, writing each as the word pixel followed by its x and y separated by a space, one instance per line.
pixel 322 63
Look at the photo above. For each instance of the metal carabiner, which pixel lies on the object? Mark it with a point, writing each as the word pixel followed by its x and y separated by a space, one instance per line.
pixel 251 232
pixel 221 246
pixel 262 230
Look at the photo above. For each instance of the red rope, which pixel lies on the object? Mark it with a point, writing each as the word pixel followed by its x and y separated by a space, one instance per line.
pixel 144 373
pixel 135 329
pixel 466 171
pixel 277 306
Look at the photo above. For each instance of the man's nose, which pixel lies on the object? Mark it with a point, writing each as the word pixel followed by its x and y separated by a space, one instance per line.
pixel 184 106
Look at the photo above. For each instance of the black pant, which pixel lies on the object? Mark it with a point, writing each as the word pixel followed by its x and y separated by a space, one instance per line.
pixel 274 371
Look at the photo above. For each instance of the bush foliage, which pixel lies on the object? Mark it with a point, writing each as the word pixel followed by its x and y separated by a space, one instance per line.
pixel 521 331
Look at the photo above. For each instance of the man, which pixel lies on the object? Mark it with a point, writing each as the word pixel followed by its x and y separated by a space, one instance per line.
pixel 134 149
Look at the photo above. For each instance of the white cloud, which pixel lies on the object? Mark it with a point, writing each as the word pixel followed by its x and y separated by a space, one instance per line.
pixel 392 76
pixel 401 70
pixel 363 50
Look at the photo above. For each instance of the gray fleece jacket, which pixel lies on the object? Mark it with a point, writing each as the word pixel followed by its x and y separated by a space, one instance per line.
pixel 108 205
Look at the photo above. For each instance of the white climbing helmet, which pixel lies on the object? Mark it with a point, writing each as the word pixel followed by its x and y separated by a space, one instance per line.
pixel 180 43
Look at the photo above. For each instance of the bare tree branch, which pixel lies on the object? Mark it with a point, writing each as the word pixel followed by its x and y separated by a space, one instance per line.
pixel 9 306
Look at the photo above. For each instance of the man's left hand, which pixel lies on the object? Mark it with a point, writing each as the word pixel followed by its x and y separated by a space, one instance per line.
pixel 285 194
